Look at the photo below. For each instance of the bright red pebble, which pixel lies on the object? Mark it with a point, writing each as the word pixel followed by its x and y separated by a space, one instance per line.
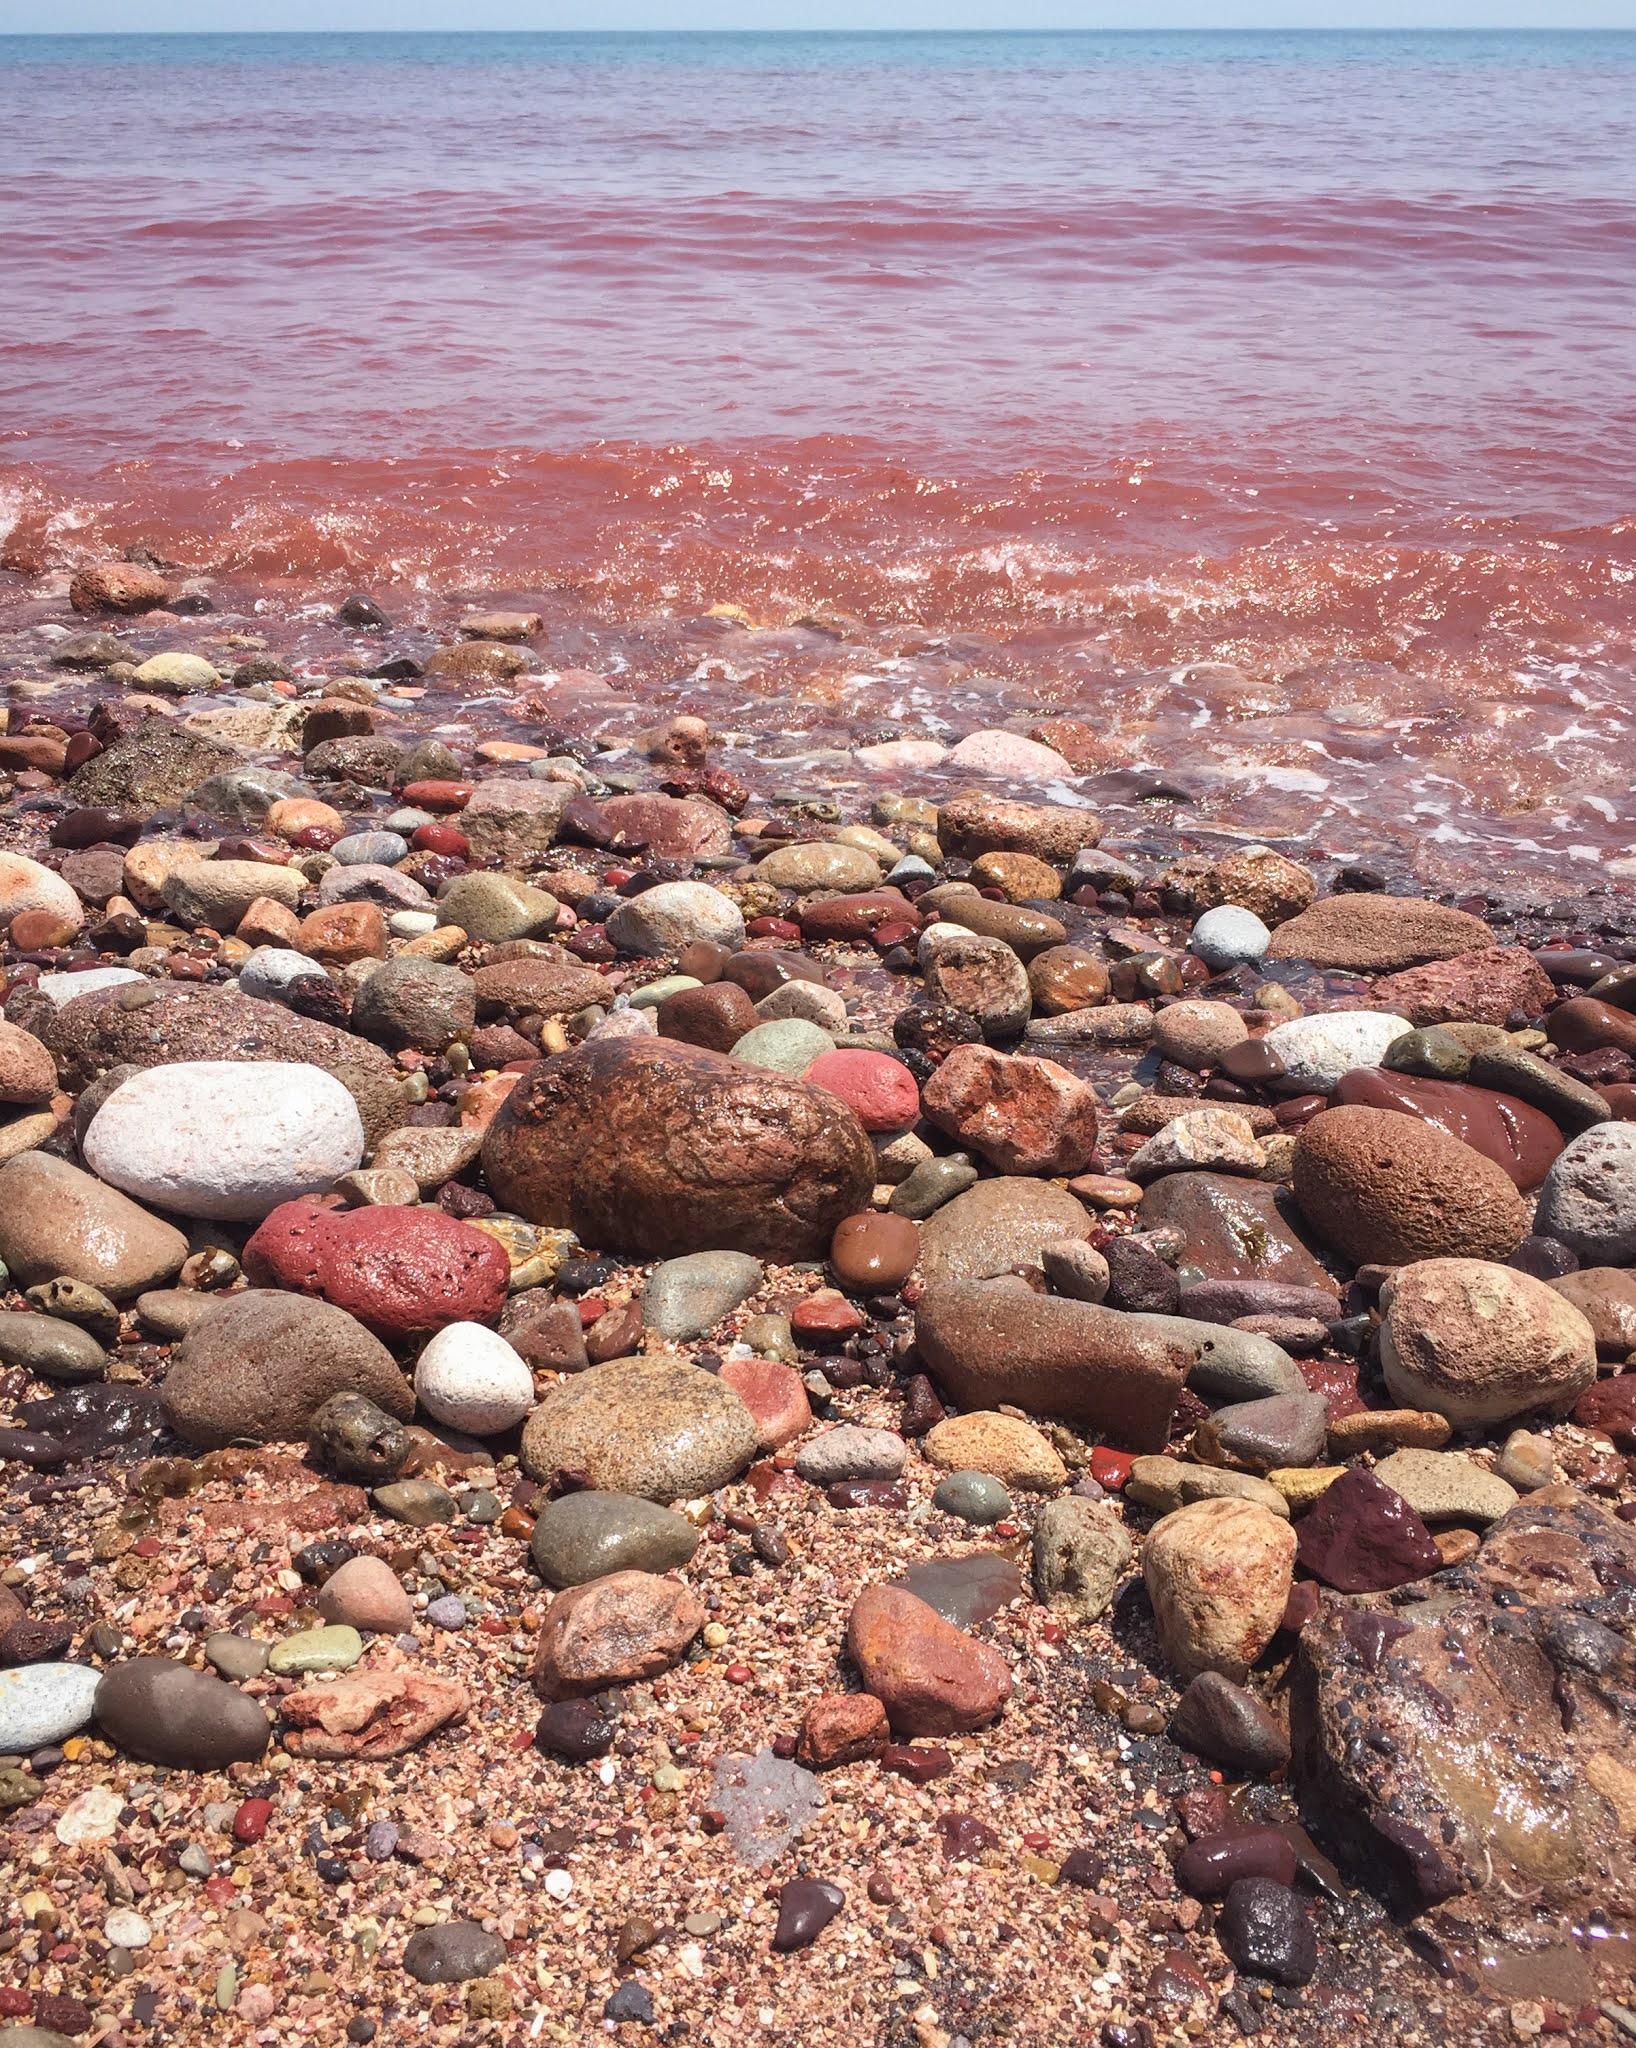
pixel 881 1091
pixel 772 928
pixel 591 1306
pixel 316 838
pixel 1111 1469
pixel 440 839
pixel 493 1625
pixel 739 1674
pixel 886 936
pixel 250 1822
pixel 438 796
pixel 1052 1632
pixel 1005 1528
pixel 1036 1841
pixel 523 1739
pixel 222 1891
pixel 14 2004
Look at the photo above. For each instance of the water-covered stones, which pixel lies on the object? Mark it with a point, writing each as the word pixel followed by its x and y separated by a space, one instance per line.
pixel 659 1149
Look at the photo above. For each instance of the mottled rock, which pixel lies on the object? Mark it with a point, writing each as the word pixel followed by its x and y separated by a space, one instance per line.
pixel 1482 1343
pixel 1483 987
pixel 1024 1115
pixel 1014 1452
pixel 1081 1555
pixel 654 1426
pixel 403 1272
pixel 1371 934
pixel 931 1677
pixel 1588 1201
pixel 971 825
pixel 1442 1486
pixel 368 1716
pixel 613 1631
pixel 1218 1574
pixel 1388 1189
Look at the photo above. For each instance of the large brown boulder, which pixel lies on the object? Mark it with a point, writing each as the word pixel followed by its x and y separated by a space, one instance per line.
pixel 1386 1188
pixel 989 1342
pixel 257 1369
pixel 1378 934
pixel 655 1148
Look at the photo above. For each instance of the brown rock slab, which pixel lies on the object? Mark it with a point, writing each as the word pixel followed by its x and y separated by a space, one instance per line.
pixel 932 1678
pixel 1367 934
pixel 1238 1229
pixel 613 1631
pixel 367 1716
pixel 972 824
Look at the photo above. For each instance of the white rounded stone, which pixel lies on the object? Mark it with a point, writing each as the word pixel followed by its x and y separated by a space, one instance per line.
pixel 25 885
pixel 62 988
pixel 224 1138
pixel 411 924
pixel 43 1704
pixel 471 1379
pixel 270 969
pixel 125 1929
pixel 1317 1051
pixel 663 919
pixel 936 936
pixel 1228 936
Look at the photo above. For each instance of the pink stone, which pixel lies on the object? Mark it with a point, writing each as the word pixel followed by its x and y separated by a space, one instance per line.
pixel 879 1088
pixel 827 1313
pixel 898 757
pixel 1024 1115
pixel 774 1395
pixel 1008 753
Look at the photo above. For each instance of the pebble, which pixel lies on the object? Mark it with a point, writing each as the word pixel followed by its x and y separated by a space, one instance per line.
pixel 365 1593
pixel 185 1720
pixel 332 1648
pixel 1081 1553
pixel 1361 1537
pixel 1012 1450
pixel 236 1657
pixel 1443 1486
pixel 1264 1928
pixel 472 1380
pixel 452 1953
pixel 1228 936
pixel 806 1906
pixel 851 1452
pixel 447 1612
pixel 1218 1573
pixel 125 1929
pixel 586 1536
pixel 973 1497
pixel 43 1704
pixel 684 1298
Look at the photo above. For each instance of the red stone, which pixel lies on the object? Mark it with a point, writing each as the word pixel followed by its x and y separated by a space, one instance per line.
pixel 1611 1407
pixel 1110 1469
pixel 773 928
pixel 1516 1137
pixel 440 839
pixel 401 1272
pixel 857 916
pixel 841 1728
pixel 774 1395
pixel 1361 1537
pixel 250 1822
pixel 438 796
pixel 880 1089
pixel 826 1314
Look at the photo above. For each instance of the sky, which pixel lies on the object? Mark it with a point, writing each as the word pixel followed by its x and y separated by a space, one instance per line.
pixel 96 16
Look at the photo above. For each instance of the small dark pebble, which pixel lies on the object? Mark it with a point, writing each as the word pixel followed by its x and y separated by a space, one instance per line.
pixel 867 1493
pixel 1083 1867
pixel 632 2001
pixel 965 1836
pixel 1264 1929
pixel 806 1906
pixel 577 1729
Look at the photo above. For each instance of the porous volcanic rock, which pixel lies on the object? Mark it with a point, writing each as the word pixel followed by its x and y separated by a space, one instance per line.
pixel 1390 1189
pixel 1482 1343
pixel 657 1149
pixel 401 1271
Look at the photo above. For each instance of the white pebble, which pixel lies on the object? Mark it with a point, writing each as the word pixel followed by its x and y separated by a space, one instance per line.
pixel 470 1378
pixel 125 1929
pixel 1317 1051
pixel 559 1883
pixel 1228 936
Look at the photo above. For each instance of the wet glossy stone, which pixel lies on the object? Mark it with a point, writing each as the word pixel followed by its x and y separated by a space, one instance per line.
pixel 1212 1864
pixel 874 1252
pixel 966 1590
pixel 1522 1140
pixel 806 1906
pixel 1264 1929
pixel 1361 1537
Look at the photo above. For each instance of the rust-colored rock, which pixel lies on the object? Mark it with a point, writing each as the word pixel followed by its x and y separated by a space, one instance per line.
pixel 1237 1229
pixel 1257 879
pixel 1606 1297
pixel 1521 1140
pixel 989 1342
pixel 931 1677
pixel 1024 1115
pixel 841 1728
pixel 1378 934
pixel 1483 987
pixel 973 824
pixel 1388 1189
pixel 658 1149
pixel 117 587
pixel 613 1631
pixel 366 1716
pixel 542 987
pixel 715 1016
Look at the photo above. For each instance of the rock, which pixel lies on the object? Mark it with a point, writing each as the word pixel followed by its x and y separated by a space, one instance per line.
pixel 874 1253
pixel 659 922
pixel 401 1272
pixel 587 1536
pixel 1484 987
pixel 365 1593
pixel 416 1502
pixel 931 1677
pixel 1228 936
pixel 1016 1454
pixel 972 1497
pixel 685 1297
pixel 1441 1486
pixel 452 1952
pixel 1264 1927
pixel 1370 934
pixel 766 1801
pixel 471 1380
pixel 1228 1726
pixel 357 1439
pixel 117 587
pixel 1075 1268
pixel 1139 1280
pixel 1212 1139
pixel 215 894
pixel 930 1184
pixel 1520 1140
pixel 981 977
pixel 806 1906
pixel 1229 1364
pixel 716 1016
pixel 1317 1051
pixel 183 1720
pixel 1606 1297
pixel 1024 1115
pixel 1198 1034
pixel 261 1365
pixel 996 1225
pixel 1588 1201
pixel 1381 1430
pixel 224 1139
pixel 369 1716
pixel 50 1348
pixel 1482 1343
pixel 660 1150
pixel 676 828
pixel 1081 1555
pixel 27 886
pixel 28 1073
pixel 774 1395
pixel 974 825
pixel 841 1728
pixel 880 1091
pixel 988 1344
pixel 1569 1103
pixel 790 1046
pixel 58 1222
pixel 1259 880
pixel 177 674
pixel 1166 1484
pixel 1387 1189
pixel 415 1004
pixel 1020 877
pixel 495 908
pixel 1279 1430
pixel 817 864
pixel 1236 1229
pixel 851 1452
pixel 1218 1574
pixel 1361 1537
pixel 335 1648
pixel 536 987
pixel 613 1631
pixel 652 1426
pixel 1212 1863
pixel 1066 978
pixel 43 1704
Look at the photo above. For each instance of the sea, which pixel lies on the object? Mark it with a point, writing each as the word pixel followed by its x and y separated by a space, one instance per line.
pixel 1265 402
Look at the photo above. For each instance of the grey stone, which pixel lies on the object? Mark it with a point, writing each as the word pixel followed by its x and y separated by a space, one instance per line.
pixel 1081 1552
pixel 497 907
pixel 1571 1104
pixel 655 1426
pixel 415 1004
pixel 1430 1051
pixel 1443 1486
pixel 367 882
pixel 1230 1365
pixel 1164 1484
pixel 377 849
pixel 1588 1201
pixel 851 1452
pixel 766 1803
pixel 43 1704
pixel 236 1657
pixel 186 1720
pixel 662 920
pixel 418 1502
pixel 686 1297
pixel 928 1186
pixel 452 1953
pixel 586 1536
pixel 1283 1429
pixel 244 796
pixel 50 1348
pixel 994 1226
pixel 788 1045
pixel 357 1439
pixel 973 1497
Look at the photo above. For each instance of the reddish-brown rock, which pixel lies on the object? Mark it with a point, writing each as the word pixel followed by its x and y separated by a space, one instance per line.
pixel 1387 1189
pixel 117 587
pixel 613 1631
pixel 658 1149
pixel 342 933
pixel 775 1397
pixel 1368 934
pixel 367 1716
pixel 874 1252
pixel 1483 987
pixel 401 1272
pixel 676 828
pixel 1237 1229
pixel 1361 1537
pixel 715 1016
pixel 841 1728
pixel 1024 1115
pixel 543 987
pixel 974 824
pixel 1520 1140
pixel 1606 1297
pixel 854 917
pixel 931 1677
pixel 1218 1573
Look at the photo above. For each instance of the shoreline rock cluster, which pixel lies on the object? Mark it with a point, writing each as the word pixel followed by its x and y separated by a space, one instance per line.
pixel 937 1383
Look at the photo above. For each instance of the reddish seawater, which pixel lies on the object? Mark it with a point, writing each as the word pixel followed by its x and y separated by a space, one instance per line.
pixel 1267 401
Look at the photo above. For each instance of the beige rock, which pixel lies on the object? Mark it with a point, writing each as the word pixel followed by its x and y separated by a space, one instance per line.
pixel 1218 1573
pixel 1081 1553
pixel 149 863
pixel 1197 1034
pixel 1482 1343
pixel 1011 1450
pixel 1165 1484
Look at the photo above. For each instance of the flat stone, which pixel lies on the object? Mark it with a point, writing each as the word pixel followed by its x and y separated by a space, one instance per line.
pixel 1282 1429
pixel 43 1704
pixel 612 1631
pixel 851 1452
pixel 1361 1537
pixel 972 1497
pixel 1442 1486
pixel 50 1348
pixel 653 1426
pixel 452 1953
pixel 1237 1229
pixel 996 1225
pixel 1016 1454
pixel 236 1657
pixel 334 1648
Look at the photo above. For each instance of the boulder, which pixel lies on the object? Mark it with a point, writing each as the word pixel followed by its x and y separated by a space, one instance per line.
pixel 1368 934
pixel 1389 1189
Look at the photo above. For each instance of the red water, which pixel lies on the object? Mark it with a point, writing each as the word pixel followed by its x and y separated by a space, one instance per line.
pixel 1267 402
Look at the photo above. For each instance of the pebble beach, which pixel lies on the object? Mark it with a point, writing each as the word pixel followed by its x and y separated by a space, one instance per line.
pixel 663 1382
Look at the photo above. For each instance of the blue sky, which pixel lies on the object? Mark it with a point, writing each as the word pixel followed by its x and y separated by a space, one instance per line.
pixel 89 16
